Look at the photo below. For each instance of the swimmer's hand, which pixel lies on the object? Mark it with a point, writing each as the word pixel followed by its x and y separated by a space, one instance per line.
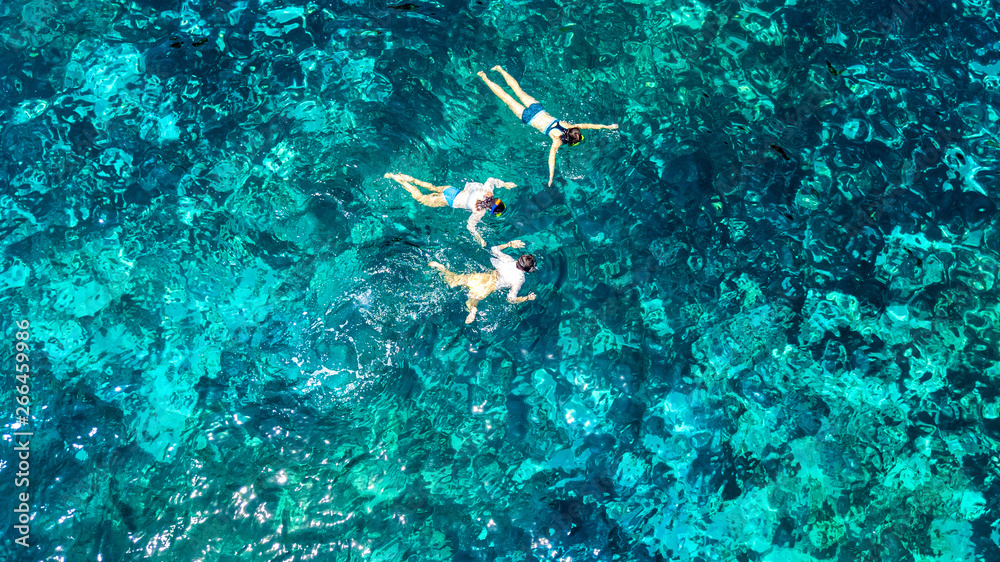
pixel 531 296
pixel 480 239
pixel 509 184
pixel 515 244
pixel 614 126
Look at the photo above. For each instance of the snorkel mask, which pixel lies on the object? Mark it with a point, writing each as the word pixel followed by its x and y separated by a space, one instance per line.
pixel 579 141
pixel 498 207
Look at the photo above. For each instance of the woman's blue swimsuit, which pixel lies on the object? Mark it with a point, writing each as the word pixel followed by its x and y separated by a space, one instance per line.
pixel 555 125
pixel 450 193
pixel 531 111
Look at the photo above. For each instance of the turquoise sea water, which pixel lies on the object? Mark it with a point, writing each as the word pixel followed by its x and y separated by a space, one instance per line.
pixel 766 325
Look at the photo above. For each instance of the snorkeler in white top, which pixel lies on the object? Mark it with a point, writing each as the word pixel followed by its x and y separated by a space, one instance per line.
pixel 474 197
pixel 532 113
pixel 508 273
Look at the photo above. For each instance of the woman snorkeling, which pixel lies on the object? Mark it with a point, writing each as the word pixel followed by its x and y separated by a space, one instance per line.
pixel 474 197
pixel 532 113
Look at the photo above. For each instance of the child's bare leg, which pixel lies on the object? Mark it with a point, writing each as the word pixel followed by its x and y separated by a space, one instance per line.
pixel 517 108
pixel 470 305
pixel 521 94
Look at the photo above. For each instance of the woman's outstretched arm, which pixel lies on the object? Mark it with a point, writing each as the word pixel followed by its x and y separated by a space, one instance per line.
pixel 493 183
pixel 552 159
pixel 472 223
pixel 589 126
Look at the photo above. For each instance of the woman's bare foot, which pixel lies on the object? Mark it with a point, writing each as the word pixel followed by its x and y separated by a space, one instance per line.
pixel 471 317
pixel 497 68
pixel 481 74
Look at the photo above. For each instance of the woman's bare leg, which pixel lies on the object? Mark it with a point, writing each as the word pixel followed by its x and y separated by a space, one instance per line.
pixel 427 199
pixel 517 108
pixel 421 183
pixel 521 94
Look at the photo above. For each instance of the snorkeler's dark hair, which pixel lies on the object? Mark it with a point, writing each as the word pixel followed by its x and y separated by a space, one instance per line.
pixel 526 263
pixel 571 136
pixel 485 204
pixel 491 204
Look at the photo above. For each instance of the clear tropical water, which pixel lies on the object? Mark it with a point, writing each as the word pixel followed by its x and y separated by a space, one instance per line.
pixel 767 316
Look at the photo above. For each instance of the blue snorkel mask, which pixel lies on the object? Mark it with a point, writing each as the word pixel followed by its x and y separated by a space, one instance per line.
pixel 498 207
